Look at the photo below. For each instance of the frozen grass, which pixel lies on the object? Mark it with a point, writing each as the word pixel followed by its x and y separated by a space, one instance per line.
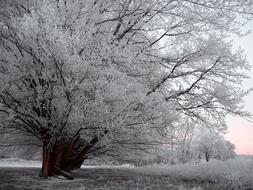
pixel 231 174
pixel 89 179
pixel 19 163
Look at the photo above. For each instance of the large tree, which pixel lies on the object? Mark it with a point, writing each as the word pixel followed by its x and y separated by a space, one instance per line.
pixel 91 77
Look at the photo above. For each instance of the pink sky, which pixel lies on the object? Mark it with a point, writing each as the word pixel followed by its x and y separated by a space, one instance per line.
pixel 241 131
pixel 241 134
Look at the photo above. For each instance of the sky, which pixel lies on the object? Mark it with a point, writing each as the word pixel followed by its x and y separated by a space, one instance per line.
pixel 241 131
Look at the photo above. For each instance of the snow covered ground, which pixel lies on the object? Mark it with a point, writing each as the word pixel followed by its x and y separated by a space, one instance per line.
pixel 89 179
pixel 20 163
pixel 231 174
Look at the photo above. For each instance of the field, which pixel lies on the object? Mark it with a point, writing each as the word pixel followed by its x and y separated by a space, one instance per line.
pixel 232 174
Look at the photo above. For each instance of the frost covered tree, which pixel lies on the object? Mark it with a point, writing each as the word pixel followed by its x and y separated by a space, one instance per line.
pixel 85 78
pixel 224 149
pixel 209 144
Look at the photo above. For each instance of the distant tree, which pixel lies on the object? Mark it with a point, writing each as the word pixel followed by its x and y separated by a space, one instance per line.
pixel 86 78
pixel 210 144
pixel 224 149
pixel 183 142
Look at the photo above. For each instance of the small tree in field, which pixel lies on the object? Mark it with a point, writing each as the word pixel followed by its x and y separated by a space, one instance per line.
pixel 88 77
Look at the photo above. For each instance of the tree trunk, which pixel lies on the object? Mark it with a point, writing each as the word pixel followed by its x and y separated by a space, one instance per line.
pixel 66 155
pixel 62 158
pixel 207 156
pixel 45 160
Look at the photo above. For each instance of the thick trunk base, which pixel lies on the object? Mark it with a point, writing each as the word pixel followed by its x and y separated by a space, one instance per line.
pixel 66 154
pixel 61 159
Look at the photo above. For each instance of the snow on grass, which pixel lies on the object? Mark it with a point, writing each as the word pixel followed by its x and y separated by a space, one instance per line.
pixel 231 174
pixel 235 173
pixel 123 166
pixel 19 163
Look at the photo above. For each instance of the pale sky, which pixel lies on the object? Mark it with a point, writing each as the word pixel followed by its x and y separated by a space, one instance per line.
pixel 240 131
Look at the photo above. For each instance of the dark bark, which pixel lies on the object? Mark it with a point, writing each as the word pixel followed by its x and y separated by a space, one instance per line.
pixel 60 159
pixel 207 156
pixel 65 156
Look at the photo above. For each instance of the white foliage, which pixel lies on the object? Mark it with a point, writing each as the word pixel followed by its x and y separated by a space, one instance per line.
pixel 143 70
